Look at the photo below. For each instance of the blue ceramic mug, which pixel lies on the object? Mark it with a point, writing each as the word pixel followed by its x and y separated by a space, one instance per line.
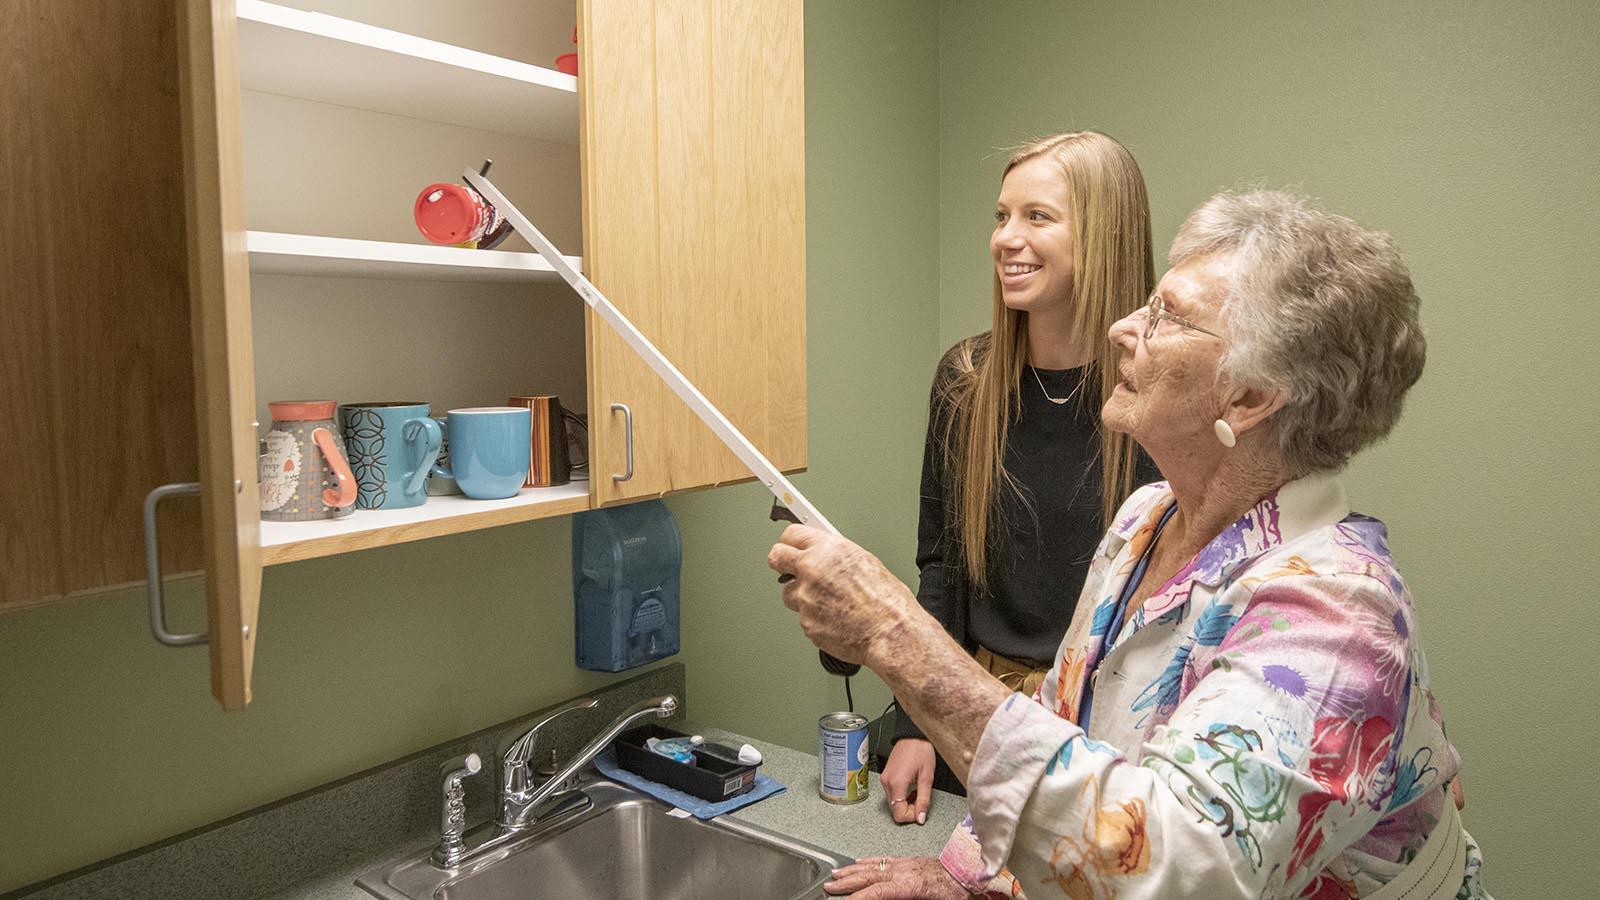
pixel 488 450
pixel 391 448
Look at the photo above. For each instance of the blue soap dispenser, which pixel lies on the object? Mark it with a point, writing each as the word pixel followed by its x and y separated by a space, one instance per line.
pixel 625 566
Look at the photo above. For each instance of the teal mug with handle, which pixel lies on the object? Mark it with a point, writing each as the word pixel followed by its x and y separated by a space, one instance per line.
pixel 488 450
pixel 391 448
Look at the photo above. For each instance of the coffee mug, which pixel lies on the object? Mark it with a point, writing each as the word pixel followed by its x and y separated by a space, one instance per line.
pixel 302 468
pixel 488 450
pixel 391 446
pixel 548 463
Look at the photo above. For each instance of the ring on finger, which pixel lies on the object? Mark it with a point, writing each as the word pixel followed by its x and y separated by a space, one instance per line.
pixel 883 864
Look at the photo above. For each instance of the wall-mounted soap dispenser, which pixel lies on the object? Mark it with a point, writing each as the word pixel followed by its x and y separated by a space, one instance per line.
pixel 625 566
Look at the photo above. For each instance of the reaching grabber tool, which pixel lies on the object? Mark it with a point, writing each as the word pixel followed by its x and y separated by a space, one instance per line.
pixel 752 458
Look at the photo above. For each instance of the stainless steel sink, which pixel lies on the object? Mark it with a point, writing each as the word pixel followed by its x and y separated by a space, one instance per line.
pixel 623 847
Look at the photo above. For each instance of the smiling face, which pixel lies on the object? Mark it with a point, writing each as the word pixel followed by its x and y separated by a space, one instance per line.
pixel 1170 393
pixel 1032 242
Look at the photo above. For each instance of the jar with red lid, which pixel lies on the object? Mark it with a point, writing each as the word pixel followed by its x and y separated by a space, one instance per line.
pixel 457 215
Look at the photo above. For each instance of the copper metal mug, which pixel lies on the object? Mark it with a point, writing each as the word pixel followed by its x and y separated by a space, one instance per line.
pixel 548 461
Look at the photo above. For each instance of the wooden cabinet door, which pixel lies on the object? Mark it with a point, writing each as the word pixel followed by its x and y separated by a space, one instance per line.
pixel 693 149
pixel 224 376
pixel 97 395
pixel 117 377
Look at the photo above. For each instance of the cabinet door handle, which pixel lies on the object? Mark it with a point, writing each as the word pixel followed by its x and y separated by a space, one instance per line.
pixel 152 567
pixel 627 443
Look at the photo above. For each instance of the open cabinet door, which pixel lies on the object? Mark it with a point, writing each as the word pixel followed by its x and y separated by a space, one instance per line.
pixel 95 348
pixel 219 284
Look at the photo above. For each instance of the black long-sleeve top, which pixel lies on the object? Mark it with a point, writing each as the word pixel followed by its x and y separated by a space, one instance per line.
pixel 1039 550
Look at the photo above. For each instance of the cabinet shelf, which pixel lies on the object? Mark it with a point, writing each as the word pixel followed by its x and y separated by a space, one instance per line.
pixel 283 542
pixel 324 58
pixel 275 253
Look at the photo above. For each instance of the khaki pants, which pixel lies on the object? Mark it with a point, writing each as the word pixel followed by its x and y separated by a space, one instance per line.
pixel 1019 676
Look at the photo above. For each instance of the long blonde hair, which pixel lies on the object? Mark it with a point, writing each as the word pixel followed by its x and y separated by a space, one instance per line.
pixel 1113 274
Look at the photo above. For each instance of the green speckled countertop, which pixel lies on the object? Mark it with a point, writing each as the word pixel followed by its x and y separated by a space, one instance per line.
pixel 860 829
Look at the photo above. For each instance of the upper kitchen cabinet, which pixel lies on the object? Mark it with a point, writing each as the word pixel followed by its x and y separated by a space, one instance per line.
pixel 694 225
pixel 298 134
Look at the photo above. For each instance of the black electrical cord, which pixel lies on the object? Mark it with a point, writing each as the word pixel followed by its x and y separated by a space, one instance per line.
pixel 875 742
pixel 849 701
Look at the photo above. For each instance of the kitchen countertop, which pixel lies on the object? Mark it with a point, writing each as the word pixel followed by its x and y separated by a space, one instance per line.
pixel 857 830
pixel 860 829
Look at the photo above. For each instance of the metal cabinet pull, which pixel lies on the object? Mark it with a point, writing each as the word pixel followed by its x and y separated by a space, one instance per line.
pixel 152 567
pixel 627 424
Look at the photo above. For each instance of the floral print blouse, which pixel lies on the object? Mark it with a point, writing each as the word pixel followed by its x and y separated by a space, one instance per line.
pixel 1261 726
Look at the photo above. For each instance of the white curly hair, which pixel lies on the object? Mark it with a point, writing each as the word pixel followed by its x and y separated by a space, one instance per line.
pixel 1319 308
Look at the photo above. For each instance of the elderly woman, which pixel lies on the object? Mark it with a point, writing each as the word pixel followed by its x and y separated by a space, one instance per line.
pixel 1240 707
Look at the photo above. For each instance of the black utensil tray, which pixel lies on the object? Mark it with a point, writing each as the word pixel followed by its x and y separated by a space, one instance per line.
pixel 709 778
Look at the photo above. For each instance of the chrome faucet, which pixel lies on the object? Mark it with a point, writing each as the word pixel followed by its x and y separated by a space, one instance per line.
pixel 518 804
pixel 522 804
pixel 516 760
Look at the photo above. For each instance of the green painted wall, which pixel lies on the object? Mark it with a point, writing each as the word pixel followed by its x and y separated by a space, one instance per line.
pixel 1465 130
pixel 1469 131
pixel 109 742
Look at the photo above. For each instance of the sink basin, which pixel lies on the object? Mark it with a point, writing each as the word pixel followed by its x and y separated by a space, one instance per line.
pixel 623 847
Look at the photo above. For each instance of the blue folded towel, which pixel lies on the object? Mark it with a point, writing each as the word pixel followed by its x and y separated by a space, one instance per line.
pixel 700 809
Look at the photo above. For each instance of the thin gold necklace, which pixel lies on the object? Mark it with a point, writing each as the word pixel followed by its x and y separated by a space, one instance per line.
pixel 1064 400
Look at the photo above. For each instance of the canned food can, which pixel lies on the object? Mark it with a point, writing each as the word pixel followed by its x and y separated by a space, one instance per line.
pixel 844 757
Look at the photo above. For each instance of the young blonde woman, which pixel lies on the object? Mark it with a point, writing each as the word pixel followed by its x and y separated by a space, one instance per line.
pixel 1018 479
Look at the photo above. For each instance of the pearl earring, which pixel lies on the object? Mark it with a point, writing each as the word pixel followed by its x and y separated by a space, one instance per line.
pixel 1225 434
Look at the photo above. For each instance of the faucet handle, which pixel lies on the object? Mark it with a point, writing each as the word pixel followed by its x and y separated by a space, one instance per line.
pixel 453 816
pixel 518 746
pixel 516 749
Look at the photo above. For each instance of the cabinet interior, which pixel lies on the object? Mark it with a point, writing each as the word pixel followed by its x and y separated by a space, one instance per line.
pixel 345 157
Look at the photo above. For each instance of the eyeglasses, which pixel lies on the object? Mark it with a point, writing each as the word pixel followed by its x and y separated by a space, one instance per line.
pixel 1157 310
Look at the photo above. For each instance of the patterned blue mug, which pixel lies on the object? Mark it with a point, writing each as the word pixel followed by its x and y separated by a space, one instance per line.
pixel 489 450
pixel 391 448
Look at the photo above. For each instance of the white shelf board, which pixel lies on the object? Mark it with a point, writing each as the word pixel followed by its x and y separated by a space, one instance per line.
pixel 276 253
pixel 444 514
pixel 319 57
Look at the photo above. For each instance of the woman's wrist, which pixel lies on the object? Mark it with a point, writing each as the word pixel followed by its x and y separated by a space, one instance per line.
pixel 909 651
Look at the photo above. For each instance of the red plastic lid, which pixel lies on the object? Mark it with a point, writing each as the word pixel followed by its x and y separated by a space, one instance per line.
pixel 300 410
pixel 567 63
pixel 448 213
